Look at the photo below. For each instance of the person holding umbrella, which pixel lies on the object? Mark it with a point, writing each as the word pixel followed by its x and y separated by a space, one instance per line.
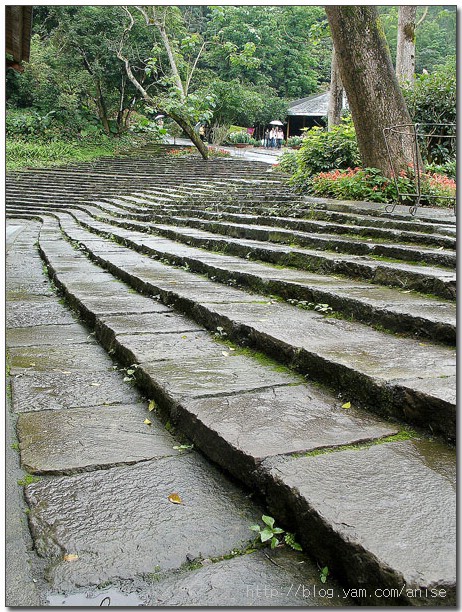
pixel 275 133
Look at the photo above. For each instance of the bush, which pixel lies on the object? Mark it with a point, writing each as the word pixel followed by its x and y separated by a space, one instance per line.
pixel 370 185
pixel 322 151
pixel 432 100
pixel 239 138
pixel 288 162
pixel 294 141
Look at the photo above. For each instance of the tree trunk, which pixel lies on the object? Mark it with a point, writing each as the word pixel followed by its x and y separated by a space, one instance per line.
pixel 334 112
pixel 189 129
pixel 405 49
pixel 370 83
pixel 101 104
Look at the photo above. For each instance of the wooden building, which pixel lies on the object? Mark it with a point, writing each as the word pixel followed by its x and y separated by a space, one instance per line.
pixel 18 26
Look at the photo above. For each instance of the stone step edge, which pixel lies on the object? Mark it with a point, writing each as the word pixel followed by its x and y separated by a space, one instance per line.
pixel 363 312
pixel 378 274
pixel 388 400
pixel 226 455
pixel 382 274
pixel 415 326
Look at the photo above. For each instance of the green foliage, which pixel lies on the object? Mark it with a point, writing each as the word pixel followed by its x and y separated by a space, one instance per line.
pixel 323 574
pixel 239 138
pixel 269 534
pixel 370 185
pixel 433 100
pixel 22 154
pixel 435 36
pixel 294 141
pixel 28 479
pixel 322 150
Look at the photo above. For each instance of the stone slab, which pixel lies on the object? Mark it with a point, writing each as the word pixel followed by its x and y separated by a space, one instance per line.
pixel 160 322
pixel 278 578
pixel 138 530
pixel 224 375
pixel 117 304
pixel 55 390
pixel 49 335
pixel 383 516
pixel 69 441
pixel 86 357
pixel 148 347
pixel 30 314
pixel 240 431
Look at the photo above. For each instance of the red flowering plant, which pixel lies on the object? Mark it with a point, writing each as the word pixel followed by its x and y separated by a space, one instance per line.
pixel 369 184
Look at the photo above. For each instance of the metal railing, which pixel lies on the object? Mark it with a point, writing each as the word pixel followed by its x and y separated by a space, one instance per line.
pixel 424 143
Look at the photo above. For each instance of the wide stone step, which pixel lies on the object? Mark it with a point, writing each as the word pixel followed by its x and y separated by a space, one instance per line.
pixel 382 550
pixel 392 376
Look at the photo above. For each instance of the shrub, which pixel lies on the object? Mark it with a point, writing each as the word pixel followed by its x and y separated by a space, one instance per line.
pixel 239 138
pixel 432 100
pixel 288 162
pixel 294 141
pixel 370 185
pixel 322 151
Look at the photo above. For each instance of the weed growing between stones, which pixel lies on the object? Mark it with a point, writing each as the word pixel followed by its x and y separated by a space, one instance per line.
pixel 28 479
pixel 269 534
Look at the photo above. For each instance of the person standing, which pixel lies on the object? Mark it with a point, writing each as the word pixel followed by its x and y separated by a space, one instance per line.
pixel 273 134
pixel 267 138
pixel 279 137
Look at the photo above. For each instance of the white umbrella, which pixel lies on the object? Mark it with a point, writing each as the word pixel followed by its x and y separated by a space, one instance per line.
pixel 159 117
pixel 276 122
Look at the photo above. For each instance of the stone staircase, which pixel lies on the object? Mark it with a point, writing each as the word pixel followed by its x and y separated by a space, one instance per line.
pixel 304 346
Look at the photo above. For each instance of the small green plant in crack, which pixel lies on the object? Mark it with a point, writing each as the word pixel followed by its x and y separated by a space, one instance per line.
pixel 220 333
pixel 323 574
pixel 321 308
pixel 269 534
pixel 15 446
pixel 28 479
pixel 130 373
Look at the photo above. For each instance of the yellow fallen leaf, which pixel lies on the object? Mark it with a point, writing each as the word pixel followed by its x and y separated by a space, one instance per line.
pixel 71 557
pixel 94 384
pixel 175 498
pixel 67 372
pixel 152 405
pixel 32 364
pixel 346 405
pixel 147 422
pixel 225 354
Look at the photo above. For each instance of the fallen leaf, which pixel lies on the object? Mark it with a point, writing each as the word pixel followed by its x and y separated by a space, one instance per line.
pixel 147 422
pixel 346 405
pixel 130 372
pixel 225 354
pixel 67 372
pixel 32 364
pixel 152 405
pixel 175 498
pixel 71 557
pixel 94 384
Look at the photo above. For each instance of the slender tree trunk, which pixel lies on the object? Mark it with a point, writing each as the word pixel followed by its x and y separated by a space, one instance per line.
pixel 405 48
pixel 334 112
pixel 101 104
pixel 370 83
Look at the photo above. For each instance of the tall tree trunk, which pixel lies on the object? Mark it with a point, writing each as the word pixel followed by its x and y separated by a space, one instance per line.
pixel 370 83
pixel 193 135
pixel 405 48
pixel 334 112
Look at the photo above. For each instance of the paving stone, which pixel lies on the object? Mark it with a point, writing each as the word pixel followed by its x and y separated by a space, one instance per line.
pixel 240 431
pixel 279 578
pixel 138 530
pixel 83 357
pixel 160 322
pixel 201 377
pixel 68 441
pixel 50 335
pixel 117 304
pixel 148 347
pixel 382 517
pixel 55 390
pixel 30 314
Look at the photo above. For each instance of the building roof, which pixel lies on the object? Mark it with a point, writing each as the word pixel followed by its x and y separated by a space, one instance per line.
pixel 18 32
pixel 315 105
